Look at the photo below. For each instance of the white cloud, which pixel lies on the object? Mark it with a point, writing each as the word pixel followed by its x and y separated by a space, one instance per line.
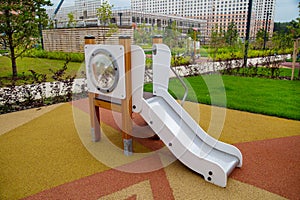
pixel 286 10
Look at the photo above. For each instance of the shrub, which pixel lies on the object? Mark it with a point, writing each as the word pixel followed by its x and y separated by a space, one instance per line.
pixel 3 51
pixel 33 93
pixel 180 61
pixel 268 68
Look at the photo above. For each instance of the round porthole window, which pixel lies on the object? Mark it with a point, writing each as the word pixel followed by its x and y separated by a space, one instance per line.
pixel 103 70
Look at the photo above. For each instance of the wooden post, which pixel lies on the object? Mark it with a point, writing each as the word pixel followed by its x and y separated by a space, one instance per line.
pixel 94 110
pixel 157 39
pixel 126 106
pixel 195 36
pixel 295 57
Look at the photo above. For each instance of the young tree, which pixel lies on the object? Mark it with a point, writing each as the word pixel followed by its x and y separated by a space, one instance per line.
pixel 104 14
pixel 19 23
pixel 216 37
pixel 71 21
pixel 191 33
pixel 295 28
pixel 141 35
pixel 171 35
pixel 295 32
pixel 231 35
pixel 216 41
pixel 259 40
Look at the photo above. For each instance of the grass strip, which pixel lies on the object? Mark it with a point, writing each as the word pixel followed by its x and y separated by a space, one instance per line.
pixel 257 95
pixel 39 65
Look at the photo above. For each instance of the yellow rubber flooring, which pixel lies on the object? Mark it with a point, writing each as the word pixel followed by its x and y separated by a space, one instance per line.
pixel 42 152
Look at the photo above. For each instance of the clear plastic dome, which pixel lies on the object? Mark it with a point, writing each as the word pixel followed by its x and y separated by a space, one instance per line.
pixel 104 70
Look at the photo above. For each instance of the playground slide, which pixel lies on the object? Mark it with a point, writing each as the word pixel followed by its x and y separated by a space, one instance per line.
pixel 213 159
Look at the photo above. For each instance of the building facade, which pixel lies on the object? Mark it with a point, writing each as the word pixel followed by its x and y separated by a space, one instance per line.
pixel 218 13
pixel 161 21
pixel 83 9
pixel 62 14
pixel 85 14
pixel 265 13
pixel 88 8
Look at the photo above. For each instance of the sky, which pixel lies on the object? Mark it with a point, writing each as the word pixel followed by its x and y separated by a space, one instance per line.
pixel 285 11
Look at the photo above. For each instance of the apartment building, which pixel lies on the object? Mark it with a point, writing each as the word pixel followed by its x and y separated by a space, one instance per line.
pixel 226 12
pixel 85 14
pixel 82 9
pixel 265 13
pixel 161 21
pixel 88 8
pixel 218 13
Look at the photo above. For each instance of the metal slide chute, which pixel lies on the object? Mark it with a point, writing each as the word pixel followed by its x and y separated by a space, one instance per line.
pixel 213 159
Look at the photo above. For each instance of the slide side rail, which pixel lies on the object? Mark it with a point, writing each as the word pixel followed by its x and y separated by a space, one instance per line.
pixel 186 90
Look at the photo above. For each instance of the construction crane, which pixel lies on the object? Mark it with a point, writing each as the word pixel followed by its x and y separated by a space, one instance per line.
pixel 57 9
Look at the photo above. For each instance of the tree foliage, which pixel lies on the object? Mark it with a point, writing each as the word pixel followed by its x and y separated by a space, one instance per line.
pixel 285 33
pixel 141 35
pixel 260 37
pixel 104 14
pixel 71 20
pixel 171 35
pixel 217 37
pixel 295 28
pixel 281 40
pixel 281 27
pixel 19 25
pixel 231 35
pixel 191 33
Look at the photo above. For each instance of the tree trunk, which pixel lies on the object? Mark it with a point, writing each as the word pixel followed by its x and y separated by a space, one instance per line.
pixel 14 67
pixel 294 57
pixel 13 58
pixel 10 33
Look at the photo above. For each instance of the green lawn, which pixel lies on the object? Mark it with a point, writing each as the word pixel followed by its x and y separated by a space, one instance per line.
pixel 258 95
pixel 38 65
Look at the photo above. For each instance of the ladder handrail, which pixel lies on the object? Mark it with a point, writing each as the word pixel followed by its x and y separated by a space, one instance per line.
pixel 183 84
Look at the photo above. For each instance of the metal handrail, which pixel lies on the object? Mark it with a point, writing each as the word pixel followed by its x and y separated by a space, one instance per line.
pixel 183 84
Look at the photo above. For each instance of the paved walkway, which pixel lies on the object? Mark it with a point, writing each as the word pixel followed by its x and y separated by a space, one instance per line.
pixel 290 64
pixel 44 158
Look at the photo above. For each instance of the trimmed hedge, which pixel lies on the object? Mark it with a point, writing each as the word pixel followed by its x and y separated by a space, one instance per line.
pixel 223 55
pixel 55 55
